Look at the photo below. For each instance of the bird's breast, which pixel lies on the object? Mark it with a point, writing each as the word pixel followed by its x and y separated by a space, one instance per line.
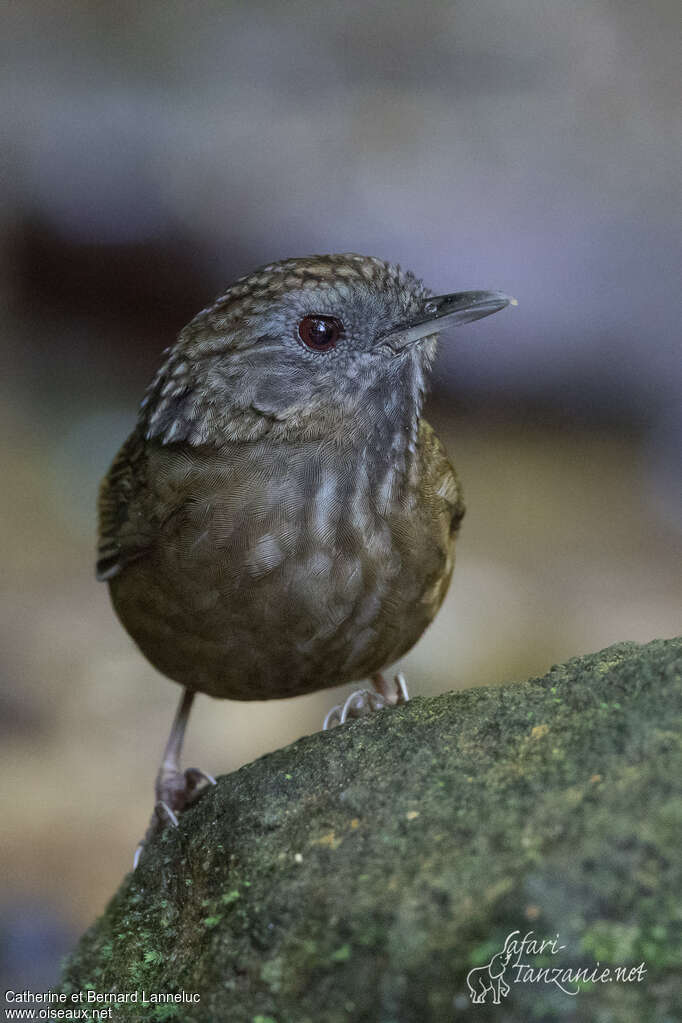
pixel 305 568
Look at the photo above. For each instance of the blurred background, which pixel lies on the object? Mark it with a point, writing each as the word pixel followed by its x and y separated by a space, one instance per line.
pixel 152 152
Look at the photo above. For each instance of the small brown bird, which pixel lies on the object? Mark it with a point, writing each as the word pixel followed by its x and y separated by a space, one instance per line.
pixel 282 519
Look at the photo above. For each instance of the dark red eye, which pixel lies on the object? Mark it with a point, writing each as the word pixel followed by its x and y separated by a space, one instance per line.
pixel 320 332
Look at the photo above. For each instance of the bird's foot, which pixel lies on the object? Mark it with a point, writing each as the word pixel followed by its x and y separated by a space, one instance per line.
pixel 359 703
pixel 175 790
pixel 363 701
pixel 394 691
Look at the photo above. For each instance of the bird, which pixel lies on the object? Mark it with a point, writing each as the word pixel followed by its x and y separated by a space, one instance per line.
pixel 282 518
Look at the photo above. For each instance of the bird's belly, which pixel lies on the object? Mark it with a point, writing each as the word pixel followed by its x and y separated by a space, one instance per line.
pixel 276 606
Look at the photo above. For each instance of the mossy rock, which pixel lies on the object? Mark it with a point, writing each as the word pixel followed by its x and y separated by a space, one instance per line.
pixel 360 874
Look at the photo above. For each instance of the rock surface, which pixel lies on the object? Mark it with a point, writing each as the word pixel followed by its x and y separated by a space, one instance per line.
pixel 361 874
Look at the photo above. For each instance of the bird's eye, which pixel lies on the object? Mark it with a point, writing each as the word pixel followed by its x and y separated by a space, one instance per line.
pixel 320 332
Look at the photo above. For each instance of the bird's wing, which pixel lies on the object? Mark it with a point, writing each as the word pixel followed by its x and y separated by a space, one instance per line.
pixel 439 476
pixel 126 533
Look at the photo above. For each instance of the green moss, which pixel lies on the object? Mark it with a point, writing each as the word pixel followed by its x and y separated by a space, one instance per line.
pixel 211 921
pixel 387 858
pixel 152 956
pixel 229 897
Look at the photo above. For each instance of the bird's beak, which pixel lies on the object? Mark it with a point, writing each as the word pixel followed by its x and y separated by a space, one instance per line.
pixel 442 311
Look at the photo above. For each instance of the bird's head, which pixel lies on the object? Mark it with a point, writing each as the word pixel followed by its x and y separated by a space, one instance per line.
pixel 306 348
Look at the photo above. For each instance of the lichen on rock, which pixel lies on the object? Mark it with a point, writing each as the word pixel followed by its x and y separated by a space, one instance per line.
pixel 360 874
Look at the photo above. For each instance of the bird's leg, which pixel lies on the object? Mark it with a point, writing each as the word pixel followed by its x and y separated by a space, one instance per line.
pixel 175 789
pixel 363 701
pixel 394 692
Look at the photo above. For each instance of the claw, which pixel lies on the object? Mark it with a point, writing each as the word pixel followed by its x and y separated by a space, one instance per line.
pixel 193 777
pixel 161 810
pixel 401 682
pixel 364 701
pixel 394 692
pixel 165 815
pixel 167 810
pixel 332 718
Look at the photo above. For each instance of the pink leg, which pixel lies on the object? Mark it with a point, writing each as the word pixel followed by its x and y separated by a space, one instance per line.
pixel 175 789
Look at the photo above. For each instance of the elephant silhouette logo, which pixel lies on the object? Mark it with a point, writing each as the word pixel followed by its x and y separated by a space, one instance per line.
pixel 482 980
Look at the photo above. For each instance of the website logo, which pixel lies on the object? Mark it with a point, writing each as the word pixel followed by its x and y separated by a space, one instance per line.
pixel 515 964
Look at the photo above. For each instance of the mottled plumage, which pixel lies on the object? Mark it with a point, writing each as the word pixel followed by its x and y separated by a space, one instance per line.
pixel 268 569
pixel 282 518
